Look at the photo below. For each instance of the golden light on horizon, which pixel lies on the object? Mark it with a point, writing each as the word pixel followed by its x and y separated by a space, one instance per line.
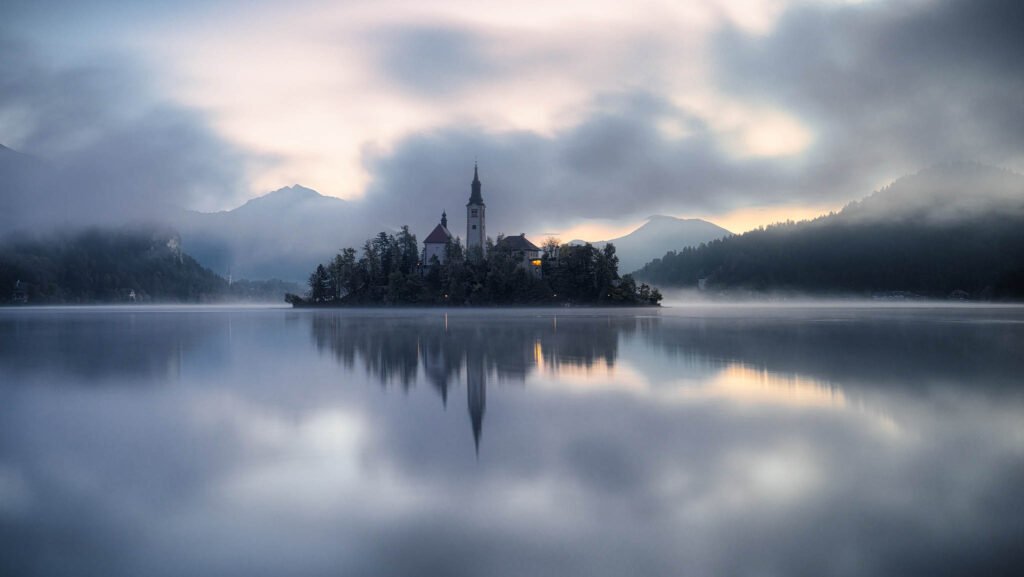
pixel 736 221
pixel 746 219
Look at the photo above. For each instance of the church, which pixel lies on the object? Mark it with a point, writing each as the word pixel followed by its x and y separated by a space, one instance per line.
pixel 434 246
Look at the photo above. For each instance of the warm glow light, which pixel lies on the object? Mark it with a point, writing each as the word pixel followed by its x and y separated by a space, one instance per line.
pixel 743 384
pixel 745 219
pixel 596 230
pixel 774 134
pixel 735 382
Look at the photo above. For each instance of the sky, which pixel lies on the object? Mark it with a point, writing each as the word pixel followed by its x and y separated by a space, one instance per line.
pixel 584 116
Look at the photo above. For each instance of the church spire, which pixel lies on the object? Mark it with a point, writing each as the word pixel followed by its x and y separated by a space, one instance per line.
pixel 444 219
pixel 475 197
pixel 476 221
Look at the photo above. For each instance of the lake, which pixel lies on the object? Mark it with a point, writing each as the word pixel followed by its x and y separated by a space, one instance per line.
pixel 699 440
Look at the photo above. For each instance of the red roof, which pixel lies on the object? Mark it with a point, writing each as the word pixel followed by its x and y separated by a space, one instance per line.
pixel 439 235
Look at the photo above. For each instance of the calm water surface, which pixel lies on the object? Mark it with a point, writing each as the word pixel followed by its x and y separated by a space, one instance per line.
pixel 735 440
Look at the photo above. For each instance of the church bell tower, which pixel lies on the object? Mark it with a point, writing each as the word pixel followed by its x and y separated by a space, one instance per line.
pixel 476 229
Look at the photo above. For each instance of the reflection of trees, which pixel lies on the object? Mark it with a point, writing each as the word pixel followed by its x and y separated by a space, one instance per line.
pixel 469 349
pixel 106 347
pixel 399 350
pixel 847 347
pixel 856 348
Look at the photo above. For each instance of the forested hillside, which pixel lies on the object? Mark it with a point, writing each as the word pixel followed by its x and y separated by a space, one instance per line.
pixel 101 266
pixel 953 231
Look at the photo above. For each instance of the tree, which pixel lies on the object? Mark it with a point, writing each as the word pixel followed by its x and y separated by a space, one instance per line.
pixel 389 272
pixel 320 285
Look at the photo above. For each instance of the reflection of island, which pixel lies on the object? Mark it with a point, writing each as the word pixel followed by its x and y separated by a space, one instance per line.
pixel 468 349
pixel 806 358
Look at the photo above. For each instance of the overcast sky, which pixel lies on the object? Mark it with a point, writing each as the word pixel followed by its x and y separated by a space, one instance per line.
pixel 585 116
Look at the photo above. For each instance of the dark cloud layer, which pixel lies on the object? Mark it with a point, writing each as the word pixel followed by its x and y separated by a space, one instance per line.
pixel 104 148
pixel 617 163
pixel 433 61
pixel 887 89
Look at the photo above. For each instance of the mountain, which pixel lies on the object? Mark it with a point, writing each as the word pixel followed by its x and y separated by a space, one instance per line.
pixel 660 234
pixel 953 230
pixel 282 234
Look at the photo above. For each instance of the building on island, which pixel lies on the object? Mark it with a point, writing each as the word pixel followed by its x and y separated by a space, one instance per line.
pixel 436 243
pixel 20 293
pixel 521 249
pixel 476 218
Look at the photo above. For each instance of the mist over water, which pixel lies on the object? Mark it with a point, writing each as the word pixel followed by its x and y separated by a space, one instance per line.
pixel 825 439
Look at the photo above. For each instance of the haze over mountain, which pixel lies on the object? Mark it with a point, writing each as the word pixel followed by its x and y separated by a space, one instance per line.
pixel 278 235
pixel 282 234
pixel 943 194
pixel 952 230
pixel 657 236
pixel 285 233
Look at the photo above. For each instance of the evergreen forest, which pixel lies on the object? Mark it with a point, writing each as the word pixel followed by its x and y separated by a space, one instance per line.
pixel 116 266
pixel 978 260
pixel 951 231
pixel 387 271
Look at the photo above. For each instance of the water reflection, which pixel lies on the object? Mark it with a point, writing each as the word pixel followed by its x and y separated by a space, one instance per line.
pixel 732 441
pixel 470 350
pixel 788 357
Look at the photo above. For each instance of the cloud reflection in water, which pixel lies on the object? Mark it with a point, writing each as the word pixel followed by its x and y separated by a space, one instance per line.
pixel 777 442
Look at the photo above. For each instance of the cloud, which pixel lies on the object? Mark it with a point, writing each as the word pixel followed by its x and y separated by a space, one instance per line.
pixel 890 88
pixel 105 149
pixel 618 117
pixel 833 101
pixel 259 449
pixel 619 162
pixel 433 61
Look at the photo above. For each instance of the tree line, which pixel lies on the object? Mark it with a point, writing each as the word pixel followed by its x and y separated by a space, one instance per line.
pixel 116 266
pixel 976 259
pixel 99 266
pixel 388 271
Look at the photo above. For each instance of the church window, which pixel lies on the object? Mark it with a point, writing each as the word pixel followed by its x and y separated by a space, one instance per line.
pixel 474 227
pixel 472 212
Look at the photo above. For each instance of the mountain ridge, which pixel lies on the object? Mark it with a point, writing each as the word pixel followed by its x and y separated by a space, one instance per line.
pixel 280 234
pixel 658 234
pixel 948 231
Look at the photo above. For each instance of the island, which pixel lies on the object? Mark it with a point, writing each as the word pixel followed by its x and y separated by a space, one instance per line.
pixel 392 270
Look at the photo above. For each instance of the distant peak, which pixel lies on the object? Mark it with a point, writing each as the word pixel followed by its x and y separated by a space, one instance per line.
pixel 295 190
pixel 288 196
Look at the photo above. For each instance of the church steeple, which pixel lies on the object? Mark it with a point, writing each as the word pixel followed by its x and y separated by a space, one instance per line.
pixel 476 217
pixel 474 197
pixel 444 219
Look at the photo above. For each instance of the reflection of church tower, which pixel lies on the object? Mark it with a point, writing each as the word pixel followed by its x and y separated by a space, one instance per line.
pixel 437 371
pixel 476 224
pixel 476 392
